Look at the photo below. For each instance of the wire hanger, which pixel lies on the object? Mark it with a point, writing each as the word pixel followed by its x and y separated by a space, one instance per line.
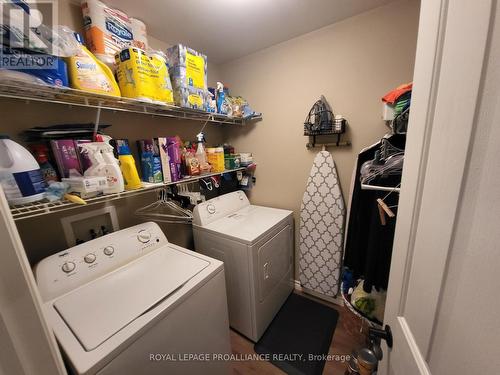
pixel 388 161
pixel 165 210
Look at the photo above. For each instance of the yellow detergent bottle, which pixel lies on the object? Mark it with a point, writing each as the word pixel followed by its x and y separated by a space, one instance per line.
pixel 127 165
pixel 87 73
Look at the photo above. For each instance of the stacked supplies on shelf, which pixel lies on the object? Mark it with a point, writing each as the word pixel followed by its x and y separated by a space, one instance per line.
pixel 188 73
pixel 107 30
pixel 397 107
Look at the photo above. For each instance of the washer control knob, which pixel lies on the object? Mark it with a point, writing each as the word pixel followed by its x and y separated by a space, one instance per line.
pixel 68 267
pixel 211 209
pixel 144 236
pixel 108 250
pixel 89 258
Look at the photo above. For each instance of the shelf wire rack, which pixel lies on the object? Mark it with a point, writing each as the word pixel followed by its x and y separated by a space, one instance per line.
pixel 62 95
pixel 30 210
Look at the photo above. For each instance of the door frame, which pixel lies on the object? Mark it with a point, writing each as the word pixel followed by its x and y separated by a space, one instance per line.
pixel 449 65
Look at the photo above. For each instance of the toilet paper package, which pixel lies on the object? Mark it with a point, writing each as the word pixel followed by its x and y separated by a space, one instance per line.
pixel 140 34
pixel 107 30
pixel 188 73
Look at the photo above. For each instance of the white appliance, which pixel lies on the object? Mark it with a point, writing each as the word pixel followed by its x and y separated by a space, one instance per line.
pixel 256 245
pixel 131 302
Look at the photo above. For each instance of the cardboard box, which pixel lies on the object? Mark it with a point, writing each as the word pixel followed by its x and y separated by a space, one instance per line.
pixel 66 156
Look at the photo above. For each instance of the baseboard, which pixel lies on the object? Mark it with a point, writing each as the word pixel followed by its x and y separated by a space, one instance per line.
pixel 337 300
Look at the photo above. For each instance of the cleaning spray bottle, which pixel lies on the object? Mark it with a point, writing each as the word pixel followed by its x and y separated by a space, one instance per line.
pixel 220 96
pixel 127 165
pixel 104 164
pixel 201 154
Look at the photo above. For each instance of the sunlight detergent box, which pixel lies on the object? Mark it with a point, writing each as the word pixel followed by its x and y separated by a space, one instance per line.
pixel 107 30
pixel 188 73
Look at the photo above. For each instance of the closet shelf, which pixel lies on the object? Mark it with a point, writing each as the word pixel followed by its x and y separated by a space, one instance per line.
pixel 25 211
pixel 62 95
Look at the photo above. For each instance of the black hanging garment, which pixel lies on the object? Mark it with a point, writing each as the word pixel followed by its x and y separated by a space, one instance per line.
pixel 368 246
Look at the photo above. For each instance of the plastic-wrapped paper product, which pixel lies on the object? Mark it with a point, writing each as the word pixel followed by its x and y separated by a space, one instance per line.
pixel 140 34
pixel 188 73
pixel 107 30
pixel 143 76
pixel 161 78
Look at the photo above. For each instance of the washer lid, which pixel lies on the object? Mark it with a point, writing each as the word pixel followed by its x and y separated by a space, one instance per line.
pixel 98 310
pixel 249 223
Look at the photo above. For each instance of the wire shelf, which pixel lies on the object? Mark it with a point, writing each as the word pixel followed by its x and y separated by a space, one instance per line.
pixel 68 96
pixel 30 210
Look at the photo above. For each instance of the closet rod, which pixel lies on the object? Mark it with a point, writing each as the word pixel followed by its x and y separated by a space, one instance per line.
pixel 380 188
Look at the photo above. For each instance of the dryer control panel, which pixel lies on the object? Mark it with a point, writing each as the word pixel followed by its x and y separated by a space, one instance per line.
pixel 71 268
pixel 219 207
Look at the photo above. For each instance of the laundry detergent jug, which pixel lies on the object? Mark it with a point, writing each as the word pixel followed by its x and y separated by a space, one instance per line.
pixel 87 73
pixel 20 174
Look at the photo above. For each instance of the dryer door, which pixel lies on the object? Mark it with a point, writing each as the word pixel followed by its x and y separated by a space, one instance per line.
pixel 274 274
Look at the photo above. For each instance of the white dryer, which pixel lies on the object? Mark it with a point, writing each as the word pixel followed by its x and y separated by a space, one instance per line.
pixel 131 302
pixel 256 245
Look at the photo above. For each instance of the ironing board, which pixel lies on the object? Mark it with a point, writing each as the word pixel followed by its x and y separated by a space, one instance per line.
pixel 321 230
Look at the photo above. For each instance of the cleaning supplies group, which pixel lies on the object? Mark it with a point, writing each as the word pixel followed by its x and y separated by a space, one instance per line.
pixel 89 169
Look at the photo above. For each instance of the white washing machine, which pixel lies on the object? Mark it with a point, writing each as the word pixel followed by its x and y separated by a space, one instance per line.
pixel 256 245
pixel 131 302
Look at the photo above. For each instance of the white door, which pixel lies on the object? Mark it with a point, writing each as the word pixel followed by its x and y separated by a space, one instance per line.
pixel 433 300
pixel 27 346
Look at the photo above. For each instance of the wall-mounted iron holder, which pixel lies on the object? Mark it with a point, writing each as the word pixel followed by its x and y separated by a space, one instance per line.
pixel 320 120
pixel 313 134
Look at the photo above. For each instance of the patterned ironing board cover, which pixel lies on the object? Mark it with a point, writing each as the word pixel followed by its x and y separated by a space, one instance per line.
pixel 321 231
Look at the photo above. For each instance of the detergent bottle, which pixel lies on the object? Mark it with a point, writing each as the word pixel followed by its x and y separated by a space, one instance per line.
pixel 87 73
pixel 104 164
pixel 127 165
pixel 20 174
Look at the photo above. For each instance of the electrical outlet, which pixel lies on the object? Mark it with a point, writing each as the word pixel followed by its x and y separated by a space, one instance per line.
pixel 89 225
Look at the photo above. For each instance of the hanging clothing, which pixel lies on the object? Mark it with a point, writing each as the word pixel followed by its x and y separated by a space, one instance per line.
pixel 368 246
pixel 392 96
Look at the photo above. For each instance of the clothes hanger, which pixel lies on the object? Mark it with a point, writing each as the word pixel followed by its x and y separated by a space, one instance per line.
pixel 391 165
pixel 165 210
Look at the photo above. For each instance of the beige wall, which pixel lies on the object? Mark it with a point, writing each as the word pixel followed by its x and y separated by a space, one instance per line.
pixel 353 63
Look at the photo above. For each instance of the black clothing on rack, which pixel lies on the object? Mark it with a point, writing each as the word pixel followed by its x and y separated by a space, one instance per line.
pixel 368 247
